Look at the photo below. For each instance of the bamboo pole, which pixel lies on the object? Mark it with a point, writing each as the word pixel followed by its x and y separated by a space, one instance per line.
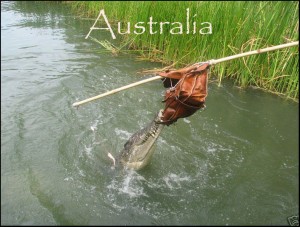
pixel 116 90
pixel 259 51
pixel 211 62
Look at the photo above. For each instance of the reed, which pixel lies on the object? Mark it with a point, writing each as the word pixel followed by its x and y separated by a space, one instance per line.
pixel 237 27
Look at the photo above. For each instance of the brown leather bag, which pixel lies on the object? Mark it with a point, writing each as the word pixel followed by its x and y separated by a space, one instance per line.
pixel 186 93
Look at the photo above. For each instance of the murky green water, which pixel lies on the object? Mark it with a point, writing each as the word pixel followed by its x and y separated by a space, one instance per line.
pixel 234 163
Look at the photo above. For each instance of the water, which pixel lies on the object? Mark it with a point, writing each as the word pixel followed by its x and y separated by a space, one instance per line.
pixel 236 163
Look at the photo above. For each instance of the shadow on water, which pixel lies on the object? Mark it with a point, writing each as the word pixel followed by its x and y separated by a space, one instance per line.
pixel 234 163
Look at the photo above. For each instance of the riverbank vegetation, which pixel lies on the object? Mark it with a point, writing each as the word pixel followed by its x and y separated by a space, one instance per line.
pixel 236 27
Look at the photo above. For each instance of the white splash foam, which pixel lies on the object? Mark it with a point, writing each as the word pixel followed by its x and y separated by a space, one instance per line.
pixel 88 151
pixel 130 187
pixel 186 120
pixel 68 178
pixel 122 133
pixel 94 125
pixel 174 181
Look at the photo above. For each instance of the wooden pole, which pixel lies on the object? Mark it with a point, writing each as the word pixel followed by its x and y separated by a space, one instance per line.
pixel 259 51
pixel 212 62
pixel 116 90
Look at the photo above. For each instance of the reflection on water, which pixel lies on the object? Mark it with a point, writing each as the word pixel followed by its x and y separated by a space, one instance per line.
pixel 234 163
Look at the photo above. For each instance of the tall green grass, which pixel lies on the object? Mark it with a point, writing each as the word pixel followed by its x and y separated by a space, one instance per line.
pixel 237 27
